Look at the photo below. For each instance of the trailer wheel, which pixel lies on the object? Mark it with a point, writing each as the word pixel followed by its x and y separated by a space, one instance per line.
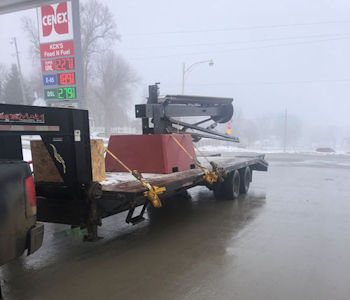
pixel 246 178
pixel 231 186
pixel 218 191
pixel 229 189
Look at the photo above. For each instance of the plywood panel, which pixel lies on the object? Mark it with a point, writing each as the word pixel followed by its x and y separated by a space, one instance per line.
pixel 98 160
pixel 43 166
pixel 46 171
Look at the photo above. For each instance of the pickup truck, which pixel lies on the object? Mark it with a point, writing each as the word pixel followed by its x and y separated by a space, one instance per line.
pixel 18 227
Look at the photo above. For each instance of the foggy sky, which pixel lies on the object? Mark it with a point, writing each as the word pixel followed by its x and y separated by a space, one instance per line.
pixel 307 71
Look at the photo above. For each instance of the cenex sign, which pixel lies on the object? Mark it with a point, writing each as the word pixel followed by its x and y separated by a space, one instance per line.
pixel 56 22
pixel 60 51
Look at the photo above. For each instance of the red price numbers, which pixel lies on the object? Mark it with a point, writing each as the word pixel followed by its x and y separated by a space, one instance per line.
pixel 63 64
pixel 66 78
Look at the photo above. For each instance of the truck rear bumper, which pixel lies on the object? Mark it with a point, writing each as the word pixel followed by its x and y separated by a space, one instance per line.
pixel 36 236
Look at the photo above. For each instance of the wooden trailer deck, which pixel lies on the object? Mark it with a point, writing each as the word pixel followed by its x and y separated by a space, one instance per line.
pixel 184 179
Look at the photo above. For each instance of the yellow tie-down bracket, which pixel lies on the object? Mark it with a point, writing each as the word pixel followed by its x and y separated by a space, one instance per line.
pixel 152 195
pixel 153 190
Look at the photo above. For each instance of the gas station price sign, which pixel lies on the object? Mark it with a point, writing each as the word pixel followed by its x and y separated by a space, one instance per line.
pixel 54 75
pixel 59 79
pixel 66 93
pixel 59 64
pixel 64 64
pixel 66 78
pixel 60 52
pixel 61 93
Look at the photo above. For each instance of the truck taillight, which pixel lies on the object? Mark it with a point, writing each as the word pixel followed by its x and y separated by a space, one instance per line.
pixel 31 197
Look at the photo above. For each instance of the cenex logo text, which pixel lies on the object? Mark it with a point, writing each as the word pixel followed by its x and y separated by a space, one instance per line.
pixel 55 19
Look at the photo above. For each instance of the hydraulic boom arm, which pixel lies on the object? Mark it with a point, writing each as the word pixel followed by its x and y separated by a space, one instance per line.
pixel 163 111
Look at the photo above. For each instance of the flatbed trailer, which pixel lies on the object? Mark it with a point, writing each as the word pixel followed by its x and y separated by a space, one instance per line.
pixel 78 200
pixel 174 183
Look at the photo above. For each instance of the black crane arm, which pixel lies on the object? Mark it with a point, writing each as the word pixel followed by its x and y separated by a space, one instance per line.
pixel 162 111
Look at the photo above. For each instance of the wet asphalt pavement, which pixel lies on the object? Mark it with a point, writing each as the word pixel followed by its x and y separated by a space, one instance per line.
pixel 289 238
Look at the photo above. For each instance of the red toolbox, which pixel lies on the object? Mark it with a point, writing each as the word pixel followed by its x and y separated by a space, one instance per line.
pixel 154 153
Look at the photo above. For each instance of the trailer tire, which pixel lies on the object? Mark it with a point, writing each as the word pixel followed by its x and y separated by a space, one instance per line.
pixel 218 191
pixel 246 179
pixel 231 186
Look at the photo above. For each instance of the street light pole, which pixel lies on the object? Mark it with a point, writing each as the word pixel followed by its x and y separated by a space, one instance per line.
pixel 190 68
pixel 183 78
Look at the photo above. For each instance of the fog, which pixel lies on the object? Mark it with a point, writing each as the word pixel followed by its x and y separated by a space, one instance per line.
pixel 270 56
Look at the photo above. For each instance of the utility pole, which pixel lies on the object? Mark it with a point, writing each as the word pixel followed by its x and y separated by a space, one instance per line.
pixel 14 41
pixel 285 131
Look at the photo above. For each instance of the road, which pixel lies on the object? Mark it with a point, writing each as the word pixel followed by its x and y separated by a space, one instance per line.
pixel 289 238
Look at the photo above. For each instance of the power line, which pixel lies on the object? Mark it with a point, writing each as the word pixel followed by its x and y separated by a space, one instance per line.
pixel 240 49
pixel 311 81
pixel 240 42
pixel 345 80
pixel 237 28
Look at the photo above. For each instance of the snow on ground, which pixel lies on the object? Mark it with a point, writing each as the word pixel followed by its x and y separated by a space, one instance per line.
pixel 27 155
pixel 115 178
pixel 225 149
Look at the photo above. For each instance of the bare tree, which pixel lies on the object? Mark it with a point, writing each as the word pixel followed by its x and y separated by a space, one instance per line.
pixel 30 27
pixel 113 90
pixel 108 95
pixel 3 73
pixel 98 33
pixel 3 76
pixel 250 132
